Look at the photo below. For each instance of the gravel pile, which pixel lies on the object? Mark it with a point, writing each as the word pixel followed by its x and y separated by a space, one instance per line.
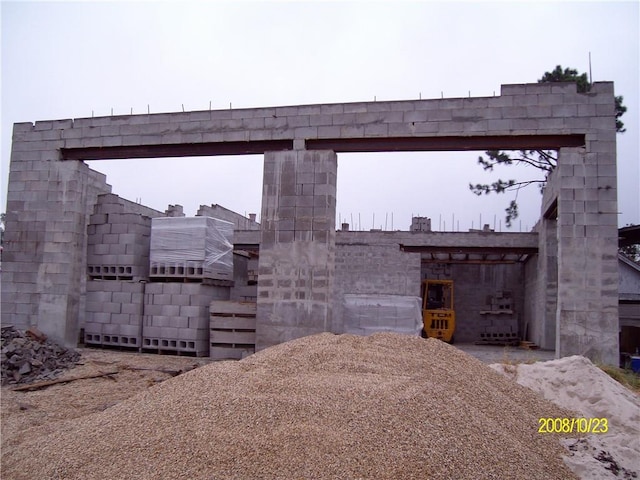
pixel 29 356
pixel 324 406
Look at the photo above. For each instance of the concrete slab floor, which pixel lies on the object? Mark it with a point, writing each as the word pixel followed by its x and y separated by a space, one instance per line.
pixel 506 354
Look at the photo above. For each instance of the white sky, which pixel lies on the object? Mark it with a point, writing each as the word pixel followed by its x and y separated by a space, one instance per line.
pixel 75 59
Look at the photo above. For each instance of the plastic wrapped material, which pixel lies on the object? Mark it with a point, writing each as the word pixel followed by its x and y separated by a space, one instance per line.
pixel 366 314
pixel 199 247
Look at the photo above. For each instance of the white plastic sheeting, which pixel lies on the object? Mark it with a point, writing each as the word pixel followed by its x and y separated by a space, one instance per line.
pixel 205 241
pixel 366 314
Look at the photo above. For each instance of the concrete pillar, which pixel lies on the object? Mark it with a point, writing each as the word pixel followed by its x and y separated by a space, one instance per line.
pixel 545 305
pixel 297 249
pixel 587 310
pixel 45 242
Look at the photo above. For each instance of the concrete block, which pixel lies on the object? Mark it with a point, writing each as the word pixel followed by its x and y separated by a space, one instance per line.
pixel 193 334
pixel 168 332
pixel 121 297
pixel 151 331
pixel 131 308
pixel 150 309
pixel 120 318
pixel 162 299
pixel 192 311
pixel 171 310
pixel 201 321
pixel 111 329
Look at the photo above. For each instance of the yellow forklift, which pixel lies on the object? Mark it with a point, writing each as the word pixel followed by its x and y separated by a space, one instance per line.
pixel 438 316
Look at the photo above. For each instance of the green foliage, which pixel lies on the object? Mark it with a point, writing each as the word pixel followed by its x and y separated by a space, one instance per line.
pixel 625 377
pixel 582 81
pixel 542 160
pixel 567 75
pixel 620 110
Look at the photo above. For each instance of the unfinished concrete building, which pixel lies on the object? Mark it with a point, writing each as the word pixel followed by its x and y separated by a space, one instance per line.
pixel 559 282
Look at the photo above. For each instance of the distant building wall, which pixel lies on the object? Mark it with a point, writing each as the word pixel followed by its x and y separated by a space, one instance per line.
pixel 474 288
pixel 240 222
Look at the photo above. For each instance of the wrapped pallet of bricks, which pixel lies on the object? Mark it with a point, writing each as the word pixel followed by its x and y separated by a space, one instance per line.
pixel 191 248
pixel 367 314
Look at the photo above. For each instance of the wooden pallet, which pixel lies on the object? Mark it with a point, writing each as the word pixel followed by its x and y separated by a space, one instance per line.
pixel 529 345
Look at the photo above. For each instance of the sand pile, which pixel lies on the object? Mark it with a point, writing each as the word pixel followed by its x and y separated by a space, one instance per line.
pixel 576 384
pixel 325 406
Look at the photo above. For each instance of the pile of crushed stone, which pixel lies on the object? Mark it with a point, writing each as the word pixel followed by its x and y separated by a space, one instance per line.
pixel 320 407
pixel 28 356
pixel 577 384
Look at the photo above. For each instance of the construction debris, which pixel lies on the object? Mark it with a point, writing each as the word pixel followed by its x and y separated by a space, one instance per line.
pixel 28 356
pixel 39 385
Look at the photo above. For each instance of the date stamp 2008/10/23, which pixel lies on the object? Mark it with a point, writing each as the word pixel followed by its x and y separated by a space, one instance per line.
pixel 573 425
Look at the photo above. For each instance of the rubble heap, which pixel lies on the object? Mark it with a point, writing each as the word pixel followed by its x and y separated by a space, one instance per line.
pixel 28 356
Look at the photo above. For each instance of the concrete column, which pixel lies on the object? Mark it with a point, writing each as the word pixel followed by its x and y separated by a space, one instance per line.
pixel 297 249
pixel 587 310
pixel 545 305
pixel 45 247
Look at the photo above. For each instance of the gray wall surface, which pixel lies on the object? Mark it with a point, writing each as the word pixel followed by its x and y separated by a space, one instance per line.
pixel 50 194
pixel 297 247
pixel 240 222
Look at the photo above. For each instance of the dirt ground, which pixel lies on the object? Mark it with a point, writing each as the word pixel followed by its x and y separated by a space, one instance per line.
pixel 33 413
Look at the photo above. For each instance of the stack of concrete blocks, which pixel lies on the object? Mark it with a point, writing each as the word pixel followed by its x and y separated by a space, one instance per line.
pixel 232 329
pixel 499 322
pixel 114 313
pixel 194 248
pixel 191 262
pixel 118 241
pixel 245 288
pixel 174 211
pixel 420 224
pixel 367 314
pixel 176 317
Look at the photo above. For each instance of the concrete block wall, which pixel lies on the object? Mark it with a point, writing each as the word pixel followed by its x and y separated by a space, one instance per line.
pixel 473 286
pixel 114 311
pixel 373 266
pixel 587 235
pixel 50 289
pixel 48 203
pixel 118 241
pixel 297 247
pixel 541 286
pixel 499 322
pixel 176 316
pixel 521 109
pixel 240 222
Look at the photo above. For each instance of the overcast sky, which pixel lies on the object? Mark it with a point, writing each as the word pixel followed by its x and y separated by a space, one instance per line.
pixel 78 59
